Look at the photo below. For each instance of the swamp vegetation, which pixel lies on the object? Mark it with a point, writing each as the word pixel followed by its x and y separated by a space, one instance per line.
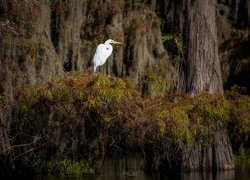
pixel 176 92
pixel 70 124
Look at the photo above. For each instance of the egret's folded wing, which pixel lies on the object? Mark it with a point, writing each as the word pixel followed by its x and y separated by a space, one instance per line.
pixel 101 55
pixel 98 54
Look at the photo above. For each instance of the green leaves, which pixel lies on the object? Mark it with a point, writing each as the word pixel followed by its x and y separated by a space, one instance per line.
pixel 167 37
pixel 62 167
pixel 185 119
pixel 175 40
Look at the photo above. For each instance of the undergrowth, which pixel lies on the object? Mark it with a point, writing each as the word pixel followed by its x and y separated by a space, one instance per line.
pixel 61 166
pixel 82 116
pixel 184 119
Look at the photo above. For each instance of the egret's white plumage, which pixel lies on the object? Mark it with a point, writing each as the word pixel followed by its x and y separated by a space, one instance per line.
pixel 103 51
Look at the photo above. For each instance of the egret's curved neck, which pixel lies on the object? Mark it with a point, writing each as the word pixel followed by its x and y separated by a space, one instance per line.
pixel 108 45
pixel 109 49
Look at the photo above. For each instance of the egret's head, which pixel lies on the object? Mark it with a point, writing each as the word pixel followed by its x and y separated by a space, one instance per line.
pixel 110 41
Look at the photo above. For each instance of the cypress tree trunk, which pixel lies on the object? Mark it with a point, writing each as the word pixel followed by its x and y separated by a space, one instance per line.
pixel 202 73
pixel 204 69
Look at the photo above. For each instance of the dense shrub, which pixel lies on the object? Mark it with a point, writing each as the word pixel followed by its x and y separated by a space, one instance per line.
pixel 77 115
pixel 185 119
pixel 82 116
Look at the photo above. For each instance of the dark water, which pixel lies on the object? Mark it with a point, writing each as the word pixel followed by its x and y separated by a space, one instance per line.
pixel 131 169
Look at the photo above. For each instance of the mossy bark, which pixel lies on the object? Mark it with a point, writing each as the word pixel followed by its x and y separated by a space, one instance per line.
pixel 27 55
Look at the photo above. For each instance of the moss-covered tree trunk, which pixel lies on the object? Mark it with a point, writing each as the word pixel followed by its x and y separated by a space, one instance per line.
pixel 203 74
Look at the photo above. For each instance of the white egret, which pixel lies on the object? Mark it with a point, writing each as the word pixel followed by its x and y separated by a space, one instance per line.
pixel 103 51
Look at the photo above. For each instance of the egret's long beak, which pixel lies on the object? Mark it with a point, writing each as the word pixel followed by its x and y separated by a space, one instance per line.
pixel 116 42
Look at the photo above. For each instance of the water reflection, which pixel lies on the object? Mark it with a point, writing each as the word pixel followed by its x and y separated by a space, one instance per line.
pixel 221 175
pixel 131 169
